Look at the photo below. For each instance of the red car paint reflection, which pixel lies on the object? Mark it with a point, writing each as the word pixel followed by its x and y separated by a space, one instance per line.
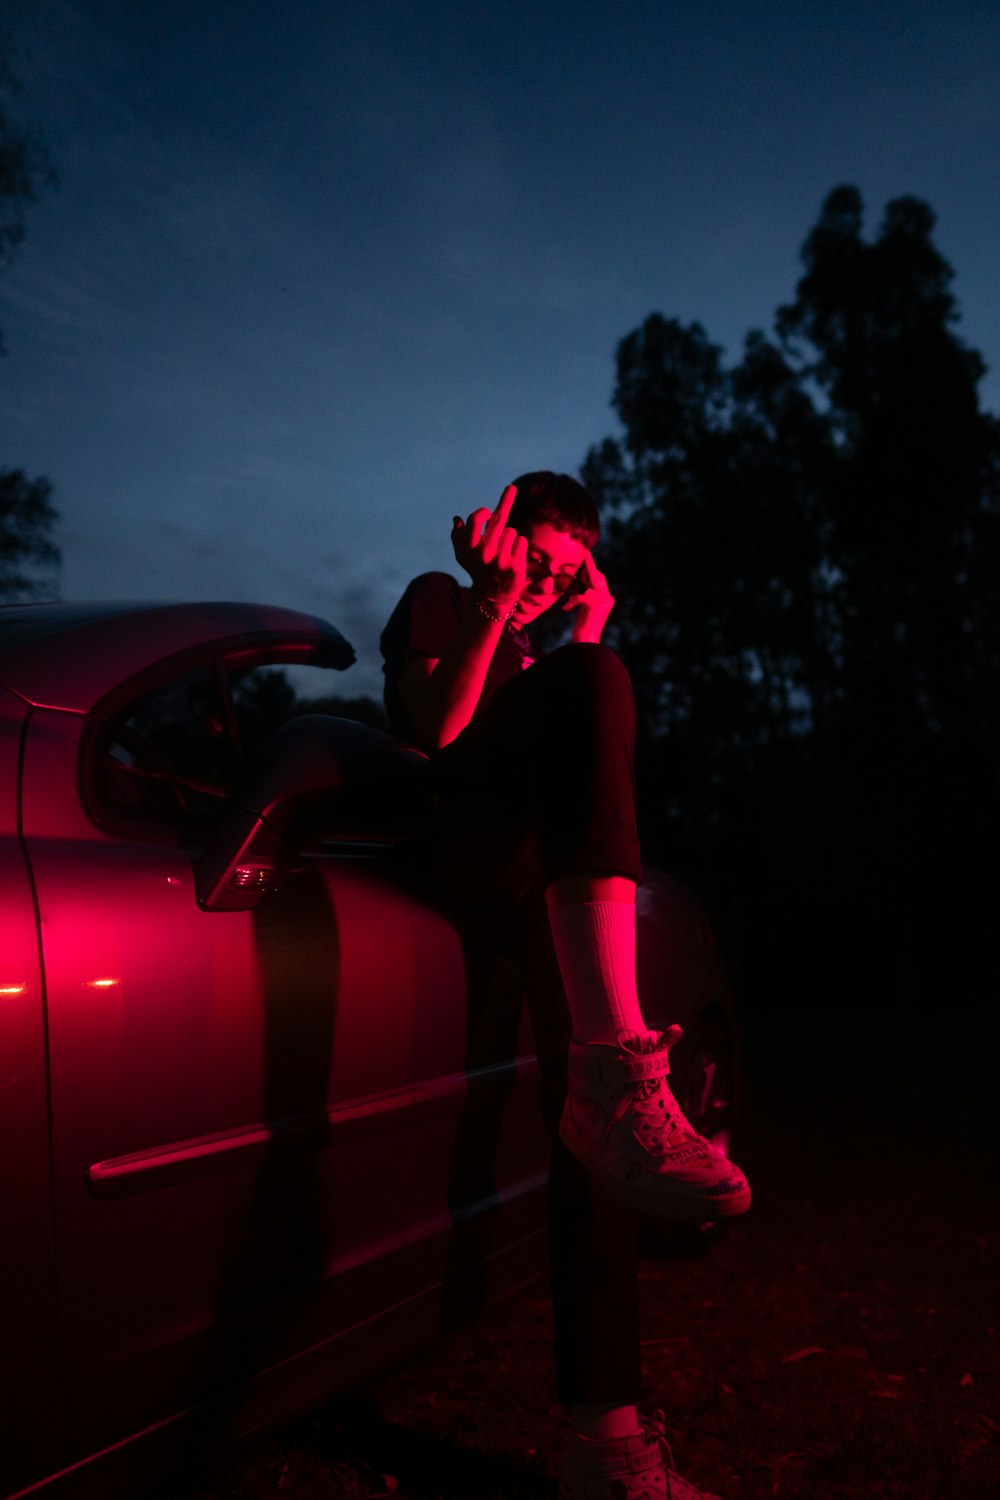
pixel 252 1152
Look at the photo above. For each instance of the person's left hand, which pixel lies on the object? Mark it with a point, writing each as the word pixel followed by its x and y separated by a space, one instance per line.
pixel 591 600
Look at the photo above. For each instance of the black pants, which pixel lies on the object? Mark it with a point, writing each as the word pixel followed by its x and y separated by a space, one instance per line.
pixel 540 785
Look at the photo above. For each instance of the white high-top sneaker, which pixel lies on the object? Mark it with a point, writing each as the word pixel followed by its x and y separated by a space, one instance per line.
pixel 631 1468
pixel 623 1123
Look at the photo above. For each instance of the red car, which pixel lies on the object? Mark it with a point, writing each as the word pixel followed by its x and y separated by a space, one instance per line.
pixel 269 1119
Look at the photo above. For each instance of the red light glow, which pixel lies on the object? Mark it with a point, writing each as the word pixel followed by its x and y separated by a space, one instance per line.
pixel 101 984
pixel 12 989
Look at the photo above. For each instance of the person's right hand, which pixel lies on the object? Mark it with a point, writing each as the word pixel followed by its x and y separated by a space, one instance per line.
pixel 492 553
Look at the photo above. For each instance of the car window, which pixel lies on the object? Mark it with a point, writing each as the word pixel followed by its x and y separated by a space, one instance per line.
pixel 168 760
pixel 266 697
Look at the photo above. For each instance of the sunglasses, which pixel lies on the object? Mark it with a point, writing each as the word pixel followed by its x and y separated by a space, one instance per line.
pixel 563 583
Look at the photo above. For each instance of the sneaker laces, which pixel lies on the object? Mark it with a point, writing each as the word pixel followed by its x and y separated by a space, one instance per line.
pixel 653 1099
pixel 654 1431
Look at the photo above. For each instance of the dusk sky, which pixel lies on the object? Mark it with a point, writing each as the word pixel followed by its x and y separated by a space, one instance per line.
pixel 318 274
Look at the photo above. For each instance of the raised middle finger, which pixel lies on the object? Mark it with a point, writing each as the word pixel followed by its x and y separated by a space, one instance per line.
pixel 498 520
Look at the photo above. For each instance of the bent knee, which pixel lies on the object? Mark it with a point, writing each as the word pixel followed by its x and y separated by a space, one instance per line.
pixel 592 662
pixel 589 675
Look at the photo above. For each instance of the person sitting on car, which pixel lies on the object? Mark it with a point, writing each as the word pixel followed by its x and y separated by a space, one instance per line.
pixel 533 758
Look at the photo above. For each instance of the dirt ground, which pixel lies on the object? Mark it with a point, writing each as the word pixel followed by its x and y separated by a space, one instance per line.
pixel 840 1341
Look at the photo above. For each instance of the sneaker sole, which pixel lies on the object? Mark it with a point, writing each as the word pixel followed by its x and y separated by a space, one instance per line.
pixel 680 1202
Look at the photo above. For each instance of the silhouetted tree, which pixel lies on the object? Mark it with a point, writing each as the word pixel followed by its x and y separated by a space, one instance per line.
pixel 26 520
pixel 910 507
pixel 805 548
pixel 26 514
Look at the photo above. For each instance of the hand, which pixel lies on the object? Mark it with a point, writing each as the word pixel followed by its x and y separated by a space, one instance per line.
pixel 591 599
pixel 492 553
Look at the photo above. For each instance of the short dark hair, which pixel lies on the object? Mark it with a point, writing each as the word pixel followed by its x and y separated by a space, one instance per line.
pixel 545 498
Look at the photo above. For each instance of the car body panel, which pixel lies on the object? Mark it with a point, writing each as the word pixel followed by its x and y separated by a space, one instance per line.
pixel 215 1042
pixel 30 1395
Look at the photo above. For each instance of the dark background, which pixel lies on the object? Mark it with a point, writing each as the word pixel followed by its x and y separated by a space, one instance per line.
pixel 802 536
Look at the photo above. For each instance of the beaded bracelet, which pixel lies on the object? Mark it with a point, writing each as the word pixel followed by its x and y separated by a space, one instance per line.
pixel 494 619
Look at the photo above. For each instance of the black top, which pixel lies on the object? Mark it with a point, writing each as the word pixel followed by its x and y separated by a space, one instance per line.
pixel 422 624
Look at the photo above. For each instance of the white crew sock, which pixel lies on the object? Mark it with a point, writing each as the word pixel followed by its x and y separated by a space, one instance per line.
pixel 601 1423
pixel 595 948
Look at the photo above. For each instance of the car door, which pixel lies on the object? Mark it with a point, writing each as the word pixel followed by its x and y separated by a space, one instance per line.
pixel 29 1364
pixel 254 1114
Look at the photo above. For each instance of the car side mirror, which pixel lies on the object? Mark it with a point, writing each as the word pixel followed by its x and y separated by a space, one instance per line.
pixel 316 777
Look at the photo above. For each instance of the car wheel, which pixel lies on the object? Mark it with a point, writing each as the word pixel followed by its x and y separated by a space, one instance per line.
pixel 705 1084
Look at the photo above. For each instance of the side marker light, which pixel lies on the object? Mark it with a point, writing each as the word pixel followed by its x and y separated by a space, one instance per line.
pixel 254 877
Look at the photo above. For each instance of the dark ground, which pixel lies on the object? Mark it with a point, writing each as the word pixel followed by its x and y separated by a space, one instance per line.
pixel 840 1341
